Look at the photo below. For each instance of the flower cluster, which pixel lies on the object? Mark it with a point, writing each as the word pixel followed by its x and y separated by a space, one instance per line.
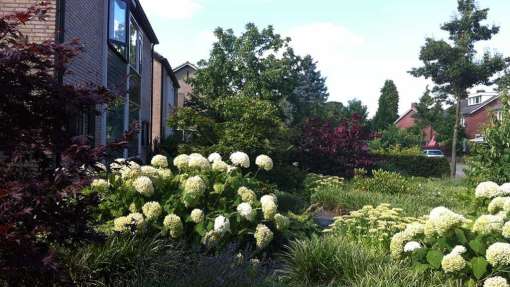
pixel 498 254
pixel 488 190
pixel 100 184
pixel 207 196
pixel 442 220
pixel 487 224
pixel 374 223
pixel 264 162
pixel 453 262
pixel 496 281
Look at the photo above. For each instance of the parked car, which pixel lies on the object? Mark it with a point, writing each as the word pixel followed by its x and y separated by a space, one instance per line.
pixel 433 153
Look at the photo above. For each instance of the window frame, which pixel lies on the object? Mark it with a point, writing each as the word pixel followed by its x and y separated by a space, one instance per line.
pixel 124 56
pixel 137 67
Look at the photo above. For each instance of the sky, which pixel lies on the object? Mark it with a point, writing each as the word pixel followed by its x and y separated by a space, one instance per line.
pixel 358 44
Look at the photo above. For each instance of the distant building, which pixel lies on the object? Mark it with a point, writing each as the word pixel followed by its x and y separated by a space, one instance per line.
pixel 476 112
pixel 164 98
pixel 184 73
pixel 408 120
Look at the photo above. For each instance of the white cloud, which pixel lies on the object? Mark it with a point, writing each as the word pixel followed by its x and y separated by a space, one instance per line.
pixel 351 71
pixel 171 9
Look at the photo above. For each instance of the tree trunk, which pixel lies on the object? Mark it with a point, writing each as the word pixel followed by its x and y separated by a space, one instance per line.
pixel 455 136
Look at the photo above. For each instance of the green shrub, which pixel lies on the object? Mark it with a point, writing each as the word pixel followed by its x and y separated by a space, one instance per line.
pixel 491 159
pixel 468 250
pixel 384 181
pixel 207 205
pixel 414 165
pixel 375 225
pixel 327 260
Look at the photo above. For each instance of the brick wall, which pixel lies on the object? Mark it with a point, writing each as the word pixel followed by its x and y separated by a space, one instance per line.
pixel 185 88
pixel 36 30
pixel 474 124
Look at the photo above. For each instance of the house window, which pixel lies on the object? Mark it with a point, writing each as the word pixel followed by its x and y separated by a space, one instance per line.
pixel 474 100
pixel 134 103
pixel 135 46
pixel 117 30
pixel 463 122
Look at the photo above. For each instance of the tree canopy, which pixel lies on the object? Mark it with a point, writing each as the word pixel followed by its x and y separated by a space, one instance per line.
pixel 387 112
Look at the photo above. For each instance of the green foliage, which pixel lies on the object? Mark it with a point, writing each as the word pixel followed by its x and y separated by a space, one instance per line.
pixel 383 181
pixel 491 159
pixel 387 112
pixel 127 261
pixel 327 261
pixel 392 137
pixel 336 112
pixel 414 165
pixel 369 224
pixel 213 192
pixel 397 150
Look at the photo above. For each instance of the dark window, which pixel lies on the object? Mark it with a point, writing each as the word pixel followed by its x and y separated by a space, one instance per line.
pixel 135 46
pixel 134 110
pixel 118 26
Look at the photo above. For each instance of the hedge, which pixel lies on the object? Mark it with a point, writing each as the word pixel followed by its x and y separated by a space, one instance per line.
pixel 410 165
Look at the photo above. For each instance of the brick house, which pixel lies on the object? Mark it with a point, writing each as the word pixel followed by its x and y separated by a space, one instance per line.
pixel 476 112
pixel 118 45
pixel 408 120
pixel 183 73
pixel 164 98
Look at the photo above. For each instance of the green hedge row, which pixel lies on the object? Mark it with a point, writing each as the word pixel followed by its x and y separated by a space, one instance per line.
pixel 410 165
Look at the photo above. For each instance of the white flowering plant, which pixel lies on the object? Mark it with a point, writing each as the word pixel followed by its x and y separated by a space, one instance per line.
pixel 203 200
pixel 373 224
pixel 474 250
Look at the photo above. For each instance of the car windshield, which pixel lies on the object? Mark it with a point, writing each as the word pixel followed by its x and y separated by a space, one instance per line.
pixel 435 152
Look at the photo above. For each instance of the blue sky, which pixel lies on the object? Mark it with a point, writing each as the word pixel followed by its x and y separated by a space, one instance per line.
pixel 358 43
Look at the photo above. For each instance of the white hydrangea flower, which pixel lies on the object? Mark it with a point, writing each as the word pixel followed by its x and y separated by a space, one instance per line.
pixel 164 173
pixel 268 198
pixel 496 281
pixel 100 184
pixel 194 188
pixel 282 222
pixel 149 171
pixel 263 236
pixel 130 170
pixel 411 246
pixel 221 225
pixel 504 189
pixel 487 189
pixel 441 220
pixel 143 185
pixel 152 210
pixel 136 219
pixel 159 161
pixel 498 254
pixel 197 161
pixel 246 211
pixel 487 224
pixel 459 249
pixel 197 215
pixel 264 162
pixel 269 209
pixel 506 230
pixel 117 164
pixel 100 166
pixel 240 159
pixel 453 263
pixel 214 157
pixel 497 204
pixel 231 168
pixel 211 238
pixel 121 224
pixel 246 194
pixel 174 224
pixel 181 161
pixel 219 165
pixel 414 229
pixel 398 242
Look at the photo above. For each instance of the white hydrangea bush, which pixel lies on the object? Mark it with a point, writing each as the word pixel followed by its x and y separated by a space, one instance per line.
pixel 202 200
pixel 473 249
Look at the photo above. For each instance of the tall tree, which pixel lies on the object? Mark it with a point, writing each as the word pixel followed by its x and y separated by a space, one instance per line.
pixel 311 91
pixel 429 111
pixel 387 112
pixel 454 66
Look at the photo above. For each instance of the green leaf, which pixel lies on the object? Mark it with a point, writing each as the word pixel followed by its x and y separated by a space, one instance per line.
pixel 461 236
pixel 471 283
pixel 479 266
pixel 200 229
pixel 421 268
pixel 477 246
pixel 434 258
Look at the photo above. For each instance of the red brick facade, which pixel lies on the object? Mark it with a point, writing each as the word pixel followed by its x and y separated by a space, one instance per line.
pixel 36 30
pixel 408 120
pixel 475 122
